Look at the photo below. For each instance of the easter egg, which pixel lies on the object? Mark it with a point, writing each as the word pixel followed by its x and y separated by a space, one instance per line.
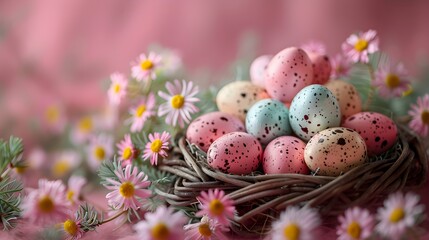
pixel 312 110
pixel 268 119
pixel 334 151
pixel 205 129
pixel 379 131
pixel 348 97
pixel 321 67
pixel 287 73
pixel 235 153
pixel 237 97
pixel 285 155
pixel 257 70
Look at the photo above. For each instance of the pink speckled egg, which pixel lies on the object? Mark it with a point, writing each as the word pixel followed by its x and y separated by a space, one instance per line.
pixel 378 131
pixel 321 67
pixel 235 153
pixel 287 73
pixel 257 70
pixel 285 155
pixel 348 97
pixel 335 151
pixel 205 129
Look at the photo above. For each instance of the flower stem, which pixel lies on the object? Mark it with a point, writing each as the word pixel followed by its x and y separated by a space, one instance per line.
pixel 371 88
pixel 113 217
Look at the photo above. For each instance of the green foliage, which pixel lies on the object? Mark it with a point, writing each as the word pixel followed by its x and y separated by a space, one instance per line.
pixel 10 152
pixel 89 217
pixel 10 200
pixel 107 170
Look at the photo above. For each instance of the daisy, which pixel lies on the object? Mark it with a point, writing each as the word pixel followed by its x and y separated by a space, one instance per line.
pixel 180 102
pixel 82 130
pixel 118 88
pixel 128 192
pixel 36 158
pixel 340 66
pixel 398 215
pixel 171 62
pixel 100 148
pixel 75 185
pixel 205 230
pixel 356 224
pixel 163 224
pixel 420 114
pixel 157 146
pixel 55 118
pixel 391 82
pixel 127 152
pixel 64 162
pixel 145 67
pixel 216 205
pixel 71 229
pixel 357 47
pixel 314 47
pixel 295 223
pixel 142 112
pixel 47 204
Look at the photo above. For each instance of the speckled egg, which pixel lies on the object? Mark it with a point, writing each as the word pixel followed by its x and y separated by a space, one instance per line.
pixel 312 110
pixel 257 70
pixel 205 129
pixel 335 151
pixel 379 131
pixel 287 73
pixel 237 97
pixel 235 153
pixel 348 97
pixel 285 155
pixel 268 119
pixel 321 67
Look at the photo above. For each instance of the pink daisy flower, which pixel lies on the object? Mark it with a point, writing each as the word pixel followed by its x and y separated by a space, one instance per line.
pixel 118 88
pixel 315 47
pixel 357 47
pixel 55 118
pixel 207 229
pixel 100 149
pixel 356 224
pixel 75 185
pixel 142 112
pixel 340 66
pixel 398 215
pixel 71 229
pixel 171 62
pixel 163 224
pixel 157 146
pixel 83 129
pixel 129 190
pixel 180 102
pixel 126 151
pixel 296 224
pixel 47 204
pixel 145 67
pixel 420 114
pixel 64 162
pixel 391 82
pixel 216 205
pixel 36 158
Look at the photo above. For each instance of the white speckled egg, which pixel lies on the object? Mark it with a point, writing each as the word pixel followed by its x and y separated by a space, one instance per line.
pixel 257 70
pixel 237 97
pixel 205 129
pixel 285 155
pixel 312 110
pixel 348 97
pixel 235 153
pixel 268 119
pixel 321 68
pixel 379 131
pixel 287 73
pixel 334 151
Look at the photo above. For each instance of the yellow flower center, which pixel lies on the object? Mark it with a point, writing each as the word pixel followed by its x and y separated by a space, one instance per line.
pixel 45 204
pixel 20 170
pixel 146 64
pixel 99 153
pixel 392 81
pixel 70 227
pixel 160 231
pixel 216 207
pixel 85 125
pixel 354 230
pixel 425 117
pixel 117 88
pixel 126 154
pixel 61 168
pixel 52 114
pixel 291 232
pixel 70 195
pixel 140 110
pixel 361 45
pixel 177 101
pixel 156 145
pixel 127 190
pixel 408 91
pixel 397 215
pixel 204 230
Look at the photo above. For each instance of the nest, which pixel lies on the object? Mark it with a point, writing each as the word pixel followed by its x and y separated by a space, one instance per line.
pixel 259 198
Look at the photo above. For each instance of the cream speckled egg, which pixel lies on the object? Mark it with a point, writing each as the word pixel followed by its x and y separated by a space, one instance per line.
pixel 335 151
pixel 257 70
pixel 287 73
pixel 348 97
pixel 321 68
pixel 237 97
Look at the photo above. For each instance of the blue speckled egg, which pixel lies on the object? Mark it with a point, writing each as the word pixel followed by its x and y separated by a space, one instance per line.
pixel 268 119
pixel 312 110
